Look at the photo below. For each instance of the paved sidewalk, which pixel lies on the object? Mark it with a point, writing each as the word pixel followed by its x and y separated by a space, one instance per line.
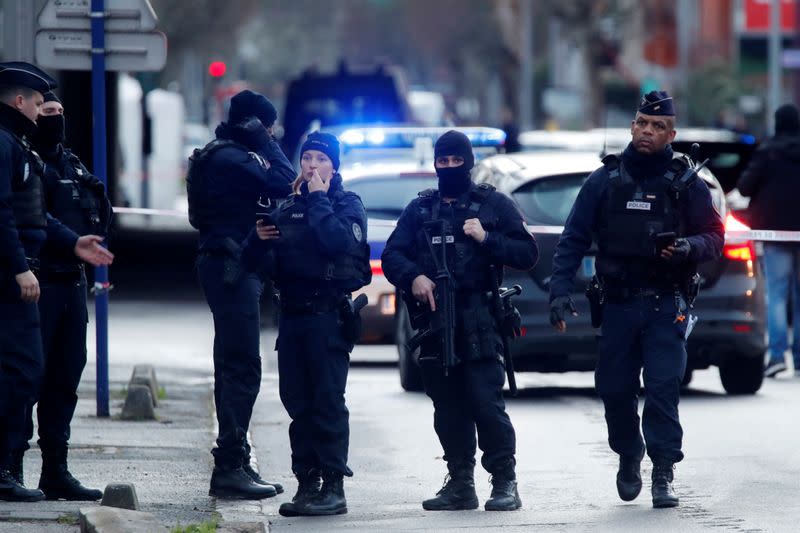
pixel 167 460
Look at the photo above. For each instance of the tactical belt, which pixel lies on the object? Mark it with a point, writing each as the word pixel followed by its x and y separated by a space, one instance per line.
pixel 61 276
pixel 626 293
pixel 313 304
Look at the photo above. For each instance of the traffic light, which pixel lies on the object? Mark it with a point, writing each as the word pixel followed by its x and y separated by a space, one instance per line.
pixel 217 69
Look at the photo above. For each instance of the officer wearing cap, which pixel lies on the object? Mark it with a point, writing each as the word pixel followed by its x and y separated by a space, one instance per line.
pixel 24 227
pixel 317 242
pixel 652 228
pixel 483 228
pixel 78 200
pixel 226 180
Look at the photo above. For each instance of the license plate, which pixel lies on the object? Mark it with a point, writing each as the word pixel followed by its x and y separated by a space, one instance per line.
pixel 587 267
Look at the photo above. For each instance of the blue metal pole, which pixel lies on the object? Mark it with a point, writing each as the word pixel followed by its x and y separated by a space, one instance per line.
pixel 99 151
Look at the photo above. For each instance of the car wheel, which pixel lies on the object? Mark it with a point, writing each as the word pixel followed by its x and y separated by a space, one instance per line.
pixel 410 374
pixel 742 375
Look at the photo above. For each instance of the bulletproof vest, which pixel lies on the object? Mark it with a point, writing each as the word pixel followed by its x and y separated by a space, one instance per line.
pixel 633 213
pixel 81 208
pixel 27 188
pixel 205 211
pixel 300 257
pixel 466 262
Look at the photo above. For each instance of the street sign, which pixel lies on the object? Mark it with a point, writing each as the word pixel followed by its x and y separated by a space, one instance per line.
pixel 121 15
pixel 125 51
pixel 790 58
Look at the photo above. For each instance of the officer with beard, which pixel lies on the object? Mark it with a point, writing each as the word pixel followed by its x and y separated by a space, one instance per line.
pixel 78 200
pixel 653 223
pixel 24 227
pixel 485 228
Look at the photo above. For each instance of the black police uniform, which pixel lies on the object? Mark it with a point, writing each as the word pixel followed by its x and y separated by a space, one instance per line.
pixel 226 180
pixel 24 226
pixel 623 205
pixel 78 200
pixel 321 257
pixel 470 397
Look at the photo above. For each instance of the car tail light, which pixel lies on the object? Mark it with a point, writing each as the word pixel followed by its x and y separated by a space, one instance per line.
pixel 741 250
pixel 742 328
pixel 376 267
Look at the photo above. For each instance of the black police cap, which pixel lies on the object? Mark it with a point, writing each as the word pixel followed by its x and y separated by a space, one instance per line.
pixel 20 73
pixel 657 103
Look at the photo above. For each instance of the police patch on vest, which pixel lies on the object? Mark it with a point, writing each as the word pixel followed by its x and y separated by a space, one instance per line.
pixel 640 206
pixel 357 232
pixel 298 215
pixel 26 171
pixel 449 239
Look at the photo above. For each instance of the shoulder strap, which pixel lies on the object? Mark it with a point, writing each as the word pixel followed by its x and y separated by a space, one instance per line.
pixel 479 195
pixel 612 164
pixel 677 175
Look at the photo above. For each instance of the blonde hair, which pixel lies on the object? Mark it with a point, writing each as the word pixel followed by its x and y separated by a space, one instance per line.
pixel 298 181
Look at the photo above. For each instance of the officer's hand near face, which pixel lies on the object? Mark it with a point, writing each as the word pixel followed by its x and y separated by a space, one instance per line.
pixel 677 253
pixel 316 183
pixel 558 307
pixel 266 233
pixel 422 289
pixel 474 229
pixel 88 248
pixel 28 287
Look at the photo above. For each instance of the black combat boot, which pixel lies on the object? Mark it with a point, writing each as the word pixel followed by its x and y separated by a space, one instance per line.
pixel 505 496
pixel 330 499
pixel 629 478
pixel 15 467
pixel 13 491
pixel 250 471
pixel 235 484
pixel 58 484
pixel 663 493
pixel 308 486
pixel 458 491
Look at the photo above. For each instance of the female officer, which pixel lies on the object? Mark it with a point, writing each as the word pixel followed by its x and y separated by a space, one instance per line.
pixel 317 240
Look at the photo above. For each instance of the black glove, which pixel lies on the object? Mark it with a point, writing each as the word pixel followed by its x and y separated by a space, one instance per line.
pixel 251 133
pixel 558 306
pixel 680 252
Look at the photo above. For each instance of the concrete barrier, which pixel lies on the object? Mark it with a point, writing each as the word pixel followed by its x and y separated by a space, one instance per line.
pixel 138 404
pixel 145 375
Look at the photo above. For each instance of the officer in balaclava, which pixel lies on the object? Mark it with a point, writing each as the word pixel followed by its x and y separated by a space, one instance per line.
pixel 482 229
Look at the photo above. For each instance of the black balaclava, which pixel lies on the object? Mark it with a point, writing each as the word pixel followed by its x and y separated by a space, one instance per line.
pixel 454 181
pixel 50 129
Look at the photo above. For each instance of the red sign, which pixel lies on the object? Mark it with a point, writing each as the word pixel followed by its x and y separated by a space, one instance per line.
pixel 757 17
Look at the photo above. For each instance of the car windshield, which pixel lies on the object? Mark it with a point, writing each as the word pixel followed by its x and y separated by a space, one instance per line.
pixel 548 201
pixel 386 196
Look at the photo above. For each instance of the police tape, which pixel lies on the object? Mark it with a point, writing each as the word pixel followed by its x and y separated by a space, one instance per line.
pixel 150 212
pixel 762 235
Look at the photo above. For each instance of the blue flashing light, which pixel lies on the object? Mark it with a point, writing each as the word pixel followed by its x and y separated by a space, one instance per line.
pixel 405 137
pixel 746 138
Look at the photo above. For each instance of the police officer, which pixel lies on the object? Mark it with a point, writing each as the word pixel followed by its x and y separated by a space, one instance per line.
pixel 24 226
pixel 484 228
pixel 78 200
pixel 225 181
pixel 653 222
pixel 318 243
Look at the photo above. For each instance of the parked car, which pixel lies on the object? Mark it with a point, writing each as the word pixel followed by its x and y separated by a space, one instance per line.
pixel 544 184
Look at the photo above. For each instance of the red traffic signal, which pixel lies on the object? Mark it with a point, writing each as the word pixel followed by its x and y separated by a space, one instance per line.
pixel 217 69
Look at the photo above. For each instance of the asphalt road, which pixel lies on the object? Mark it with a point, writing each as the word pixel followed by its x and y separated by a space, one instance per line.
pixel 741 472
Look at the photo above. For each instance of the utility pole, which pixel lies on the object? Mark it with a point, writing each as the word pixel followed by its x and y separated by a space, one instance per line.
pixel 774 93
pixel 526 65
